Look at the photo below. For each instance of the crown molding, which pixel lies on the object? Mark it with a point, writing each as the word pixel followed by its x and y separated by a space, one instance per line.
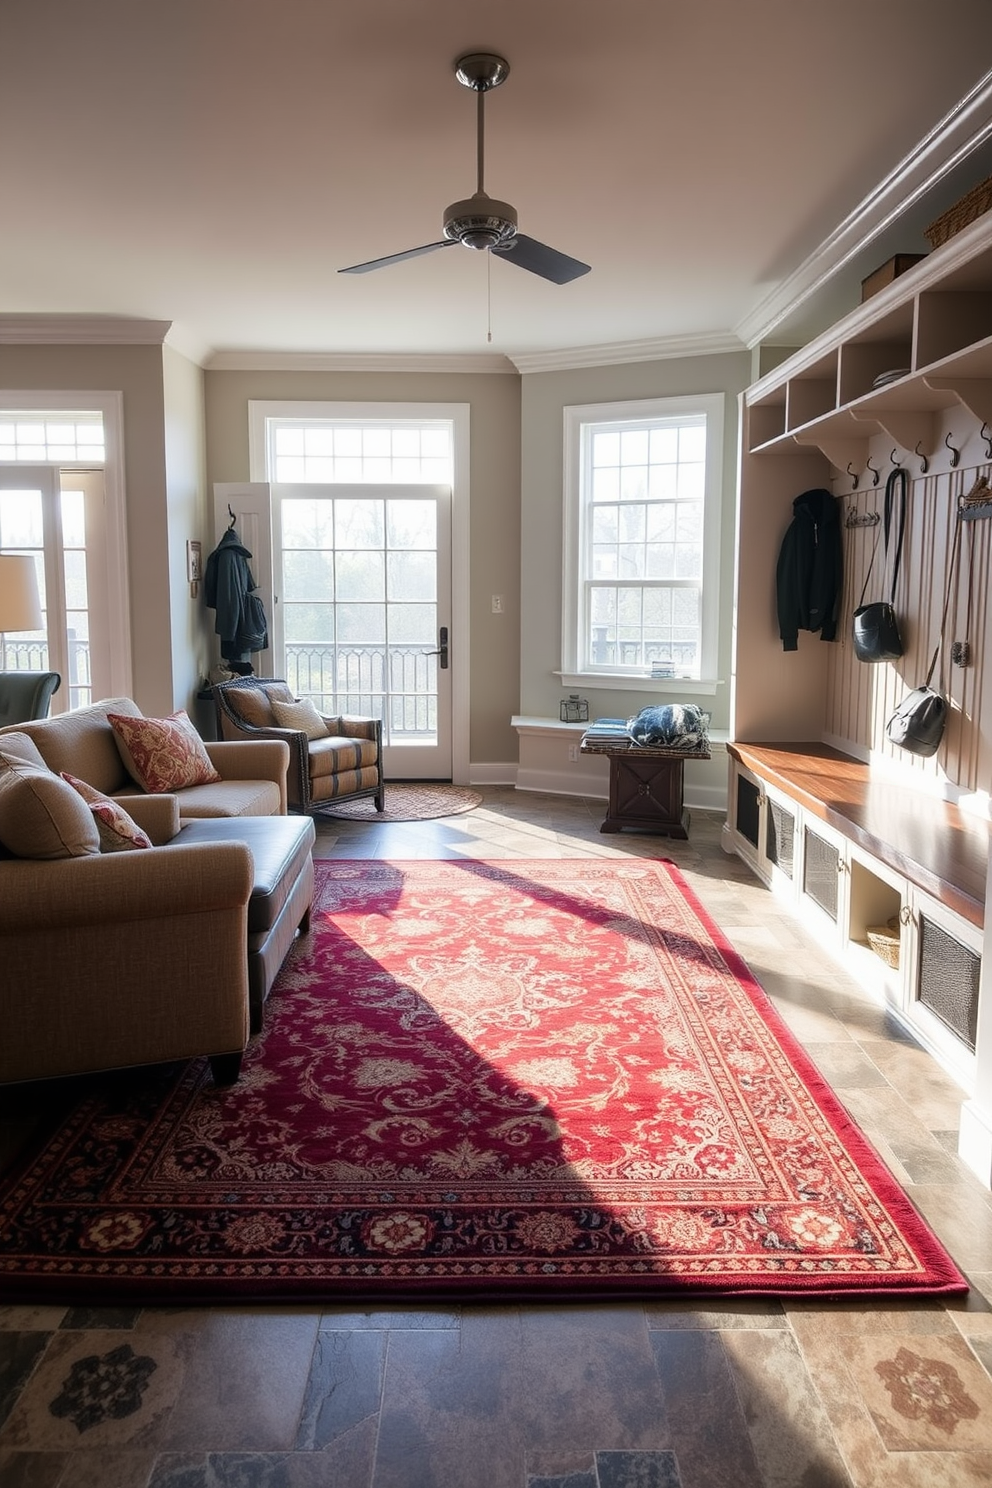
pixel 664 348
pixel 318 361
pixel 81 330
pixel 967 126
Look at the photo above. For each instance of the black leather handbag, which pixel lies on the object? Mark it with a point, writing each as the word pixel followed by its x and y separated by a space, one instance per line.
pixel 875 627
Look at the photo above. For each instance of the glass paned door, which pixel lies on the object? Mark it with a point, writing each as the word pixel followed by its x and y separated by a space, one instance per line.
pixel 57 518
pixel 363 611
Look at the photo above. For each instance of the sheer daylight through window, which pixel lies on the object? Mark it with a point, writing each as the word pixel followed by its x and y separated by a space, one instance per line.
pixel 641 509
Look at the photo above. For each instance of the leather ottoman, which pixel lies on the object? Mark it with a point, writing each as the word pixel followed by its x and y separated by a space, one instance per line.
pixel 282 889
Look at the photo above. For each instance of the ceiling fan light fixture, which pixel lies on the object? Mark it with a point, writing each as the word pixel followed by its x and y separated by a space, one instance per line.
pixel 480 221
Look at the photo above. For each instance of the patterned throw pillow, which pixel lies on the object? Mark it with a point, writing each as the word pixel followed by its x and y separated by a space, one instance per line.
pixel 118 831
pixel 162 754
pixel 41 816
pixel 301 715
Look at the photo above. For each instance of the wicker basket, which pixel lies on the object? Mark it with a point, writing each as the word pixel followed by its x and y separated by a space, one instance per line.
pixel 975 204
pixel 884 941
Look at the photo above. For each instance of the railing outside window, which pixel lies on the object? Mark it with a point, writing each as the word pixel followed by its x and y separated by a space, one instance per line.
pixel 357 679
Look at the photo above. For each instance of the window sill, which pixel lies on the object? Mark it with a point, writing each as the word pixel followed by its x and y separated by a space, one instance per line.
pixel 664 686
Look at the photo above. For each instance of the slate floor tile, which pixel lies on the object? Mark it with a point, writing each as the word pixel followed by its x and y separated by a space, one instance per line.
pixel 19 1353
pixel 637 1470
pixel 32 1469
pixel 712 1446
pixel 344 1386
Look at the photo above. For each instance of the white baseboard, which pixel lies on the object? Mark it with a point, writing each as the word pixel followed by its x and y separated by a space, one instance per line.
pixel 572 780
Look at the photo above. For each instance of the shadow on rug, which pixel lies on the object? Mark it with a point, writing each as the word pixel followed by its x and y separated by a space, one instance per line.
pixel 545 1079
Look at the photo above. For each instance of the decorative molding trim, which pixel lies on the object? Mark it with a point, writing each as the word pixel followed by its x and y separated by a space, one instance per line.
pixel 663 348
pixel 961 131
pixel 81 330
pixel 319 361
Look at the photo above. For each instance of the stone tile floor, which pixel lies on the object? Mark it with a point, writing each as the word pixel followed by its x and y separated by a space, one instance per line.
pixel 749 1393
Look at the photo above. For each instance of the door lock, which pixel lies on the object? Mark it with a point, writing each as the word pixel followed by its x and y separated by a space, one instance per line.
pixel 442 648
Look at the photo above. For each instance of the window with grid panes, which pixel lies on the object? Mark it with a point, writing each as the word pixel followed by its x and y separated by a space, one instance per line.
pixel 642 518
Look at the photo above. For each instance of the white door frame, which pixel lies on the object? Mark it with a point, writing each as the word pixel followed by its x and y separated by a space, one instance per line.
pixel 111 405
pixel 458 415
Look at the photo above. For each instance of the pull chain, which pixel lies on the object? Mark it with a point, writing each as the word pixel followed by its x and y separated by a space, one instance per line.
pixel 489 296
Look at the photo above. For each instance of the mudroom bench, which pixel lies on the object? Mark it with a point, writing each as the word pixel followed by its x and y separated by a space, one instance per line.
pixel 888 877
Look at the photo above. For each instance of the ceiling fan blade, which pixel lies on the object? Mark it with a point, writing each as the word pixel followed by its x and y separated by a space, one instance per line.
pixel 542 260
pixel 392 258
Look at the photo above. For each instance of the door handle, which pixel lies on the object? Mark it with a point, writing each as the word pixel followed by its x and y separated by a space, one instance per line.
pixel 442 648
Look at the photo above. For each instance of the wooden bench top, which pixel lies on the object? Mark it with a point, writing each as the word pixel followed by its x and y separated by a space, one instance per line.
pixel 942 850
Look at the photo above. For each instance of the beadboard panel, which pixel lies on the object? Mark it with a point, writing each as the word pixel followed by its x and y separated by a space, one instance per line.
pixel 862 696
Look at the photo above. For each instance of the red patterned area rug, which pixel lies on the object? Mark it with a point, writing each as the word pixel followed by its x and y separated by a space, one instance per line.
pixel 542 1080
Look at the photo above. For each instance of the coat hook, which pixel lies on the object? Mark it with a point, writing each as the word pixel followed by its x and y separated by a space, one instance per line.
pixel 955 453
pixel 893 457
pixel 854 476
pixel 987 436
pixel 924 462
pixel 876 475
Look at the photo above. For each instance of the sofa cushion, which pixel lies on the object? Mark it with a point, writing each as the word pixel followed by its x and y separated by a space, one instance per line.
pixel 82 742
pixel 23 747
pixel 335 754
pixel 300 715
pixel 118 831
pixel 41 816
pixel 252 706
pixel 163 754
pixel 230 798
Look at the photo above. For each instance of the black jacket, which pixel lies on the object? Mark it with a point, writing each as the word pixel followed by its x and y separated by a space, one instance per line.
pixel 810 573
pixel 229 589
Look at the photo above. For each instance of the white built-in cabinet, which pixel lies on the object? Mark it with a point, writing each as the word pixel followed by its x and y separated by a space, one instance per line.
pixel 839 891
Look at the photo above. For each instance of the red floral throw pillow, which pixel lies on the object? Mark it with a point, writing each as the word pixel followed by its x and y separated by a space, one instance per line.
pixel 162 754
pixel 118 831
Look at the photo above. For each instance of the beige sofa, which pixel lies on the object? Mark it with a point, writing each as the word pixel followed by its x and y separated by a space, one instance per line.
pixel 83 744
pixel 133 957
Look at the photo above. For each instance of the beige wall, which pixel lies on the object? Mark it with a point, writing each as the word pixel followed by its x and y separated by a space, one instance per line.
pixel 136 372
pixel 184 429
pixel 544 397
pixel 494 557
pixel 186 486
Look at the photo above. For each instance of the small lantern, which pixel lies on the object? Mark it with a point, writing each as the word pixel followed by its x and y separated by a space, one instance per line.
pixel 574 709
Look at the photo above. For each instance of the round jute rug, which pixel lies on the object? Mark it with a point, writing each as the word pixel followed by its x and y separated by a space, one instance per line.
pixel 409 803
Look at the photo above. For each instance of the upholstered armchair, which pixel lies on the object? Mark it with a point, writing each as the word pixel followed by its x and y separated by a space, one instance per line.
pixel 26 695
pixel 332 758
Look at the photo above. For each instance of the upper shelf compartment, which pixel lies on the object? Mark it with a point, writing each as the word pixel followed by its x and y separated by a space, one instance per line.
pixel 923 344
pixel 881 354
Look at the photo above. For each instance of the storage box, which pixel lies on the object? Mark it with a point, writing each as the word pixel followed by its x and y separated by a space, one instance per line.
pixel 888 271
pixel 974 204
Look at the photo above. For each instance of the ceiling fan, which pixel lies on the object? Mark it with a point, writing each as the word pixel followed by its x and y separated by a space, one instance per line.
pixel 480 221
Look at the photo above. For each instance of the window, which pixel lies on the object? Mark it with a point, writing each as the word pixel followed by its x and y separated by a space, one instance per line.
pixel 323 452
pixel 642 510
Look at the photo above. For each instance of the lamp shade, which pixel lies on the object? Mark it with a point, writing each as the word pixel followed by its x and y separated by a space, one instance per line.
pixel 20 607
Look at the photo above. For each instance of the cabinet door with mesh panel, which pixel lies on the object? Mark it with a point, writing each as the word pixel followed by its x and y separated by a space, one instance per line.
pixel 943 983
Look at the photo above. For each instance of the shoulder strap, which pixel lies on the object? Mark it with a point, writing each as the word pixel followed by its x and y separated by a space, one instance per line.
pixel 871 565
pixel 952 568
pixel 897 477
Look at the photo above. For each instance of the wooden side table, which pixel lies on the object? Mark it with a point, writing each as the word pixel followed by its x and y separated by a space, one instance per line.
pixel 645 786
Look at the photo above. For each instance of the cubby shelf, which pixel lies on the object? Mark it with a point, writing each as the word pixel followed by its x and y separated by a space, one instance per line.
pixel 928 334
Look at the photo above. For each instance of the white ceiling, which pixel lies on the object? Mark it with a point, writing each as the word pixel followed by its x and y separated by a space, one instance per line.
pixel 212 163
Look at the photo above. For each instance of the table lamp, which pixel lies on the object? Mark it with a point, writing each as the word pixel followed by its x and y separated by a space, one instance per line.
pixel 20 607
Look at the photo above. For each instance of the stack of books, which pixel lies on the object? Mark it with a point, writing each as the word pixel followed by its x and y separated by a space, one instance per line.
pixel 607 730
